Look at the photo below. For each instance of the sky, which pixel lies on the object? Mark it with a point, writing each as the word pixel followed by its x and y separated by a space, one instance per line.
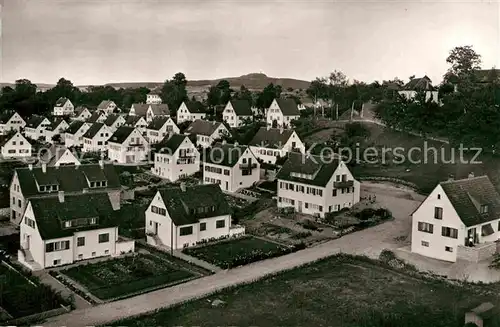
pixel 101 41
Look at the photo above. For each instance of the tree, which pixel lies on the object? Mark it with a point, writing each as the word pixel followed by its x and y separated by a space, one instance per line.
pixel 174 92
pixel 464 62
pixel 244 94
pixel 266 97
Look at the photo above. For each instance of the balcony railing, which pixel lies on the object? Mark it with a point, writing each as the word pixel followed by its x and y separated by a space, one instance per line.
pixel 343 184
pixel 248 166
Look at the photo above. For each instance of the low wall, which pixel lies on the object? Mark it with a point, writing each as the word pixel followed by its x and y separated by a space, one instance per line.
pixel 125 247
pixel 476 253
pixel 38 316
pixel 236 230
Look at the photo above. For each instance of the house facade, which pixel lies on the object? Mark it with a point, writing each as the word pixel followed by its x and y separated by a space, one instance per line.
pixel 159 128
pixel 269 144
pixel 206 132
pixel 57 156
pixel 113 121
pixel 127 145
pixel 175 157
pixel 107 106
pixel 157 110
pixel 189 111
pixel 16 146
pixel 137 122
pixel 182 217
pixel 82 113
pixel 423 84
pixel 57 127
pixel 11 122
pixel 63 107
pixel 96 138
pixel 153 98
pixel 315 186
pixel 35 127
pixel 459 219
pixel 231 166
pixel 97 117
pixel 74 133
pixel 237 112
pixel 57 231
pixel 281 113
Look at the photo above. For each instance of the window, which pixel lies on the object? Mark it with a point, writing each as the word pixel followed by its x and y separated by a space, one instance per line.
pixel 448 249
pixel 220 224
pixel 438 213
pixel 67 224
pixel 183 231
pixel 13 200
pixel 57 246
pixel 104 238
pixel 425 227
pixel 93 254
pixel 484 209
pixel 449 232
pixel 203 226
pixel 106 251
pixel 57 262
pixel 425 243
pixel 439 196
pixel 93 221
pixel 80 256
pixel 30 222
pixel 80 241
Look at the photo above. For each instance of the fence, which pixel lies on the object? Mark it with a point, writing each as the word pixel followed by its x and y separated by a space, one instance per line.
pixel 38 316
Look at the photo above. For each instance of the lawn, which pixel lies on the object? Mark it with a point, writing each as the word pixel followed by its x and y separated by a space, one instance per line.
pixel 338 291
pixel 126 275
pixel 20 298
pixel 232 253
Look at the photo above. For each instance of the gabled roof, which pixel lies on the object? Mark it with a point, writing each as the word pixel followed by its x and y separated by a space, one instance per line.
pixel 6 138
pixel 487 75
pixel 225 154
pixel 69 178
pixel 111 119
pixel 50 214
pixel 466 194
pixel 271 138
pixel 60 102
pixel 160 109
pixel 202 127
pixel 80 109
pixel 5 117
pixel 132 120
pixel 419 84
pixel 140 108
pixel 35 121
pixel 95 116
pixel 104 104
pixel 55 124
pixel 74 126
pixel 170 145
pixel 194 107
pixel 158 122
pixel 53 154
pixel 288 107
pixel 93 130
pixel 181 204
pixel 297 163
pixel 121 134
pixel 241 107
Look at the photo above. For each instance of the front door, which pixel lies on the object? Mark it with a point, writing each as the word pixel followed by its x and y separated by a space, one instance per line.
pixel 300 206
pixel 156 228
pixel 227 186
pixel 472 233
pixel 28 239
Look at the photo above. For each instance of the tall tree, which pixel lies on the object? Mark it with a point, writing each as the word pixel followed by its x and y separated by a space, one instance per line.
pixel 464 62
pixel 174 92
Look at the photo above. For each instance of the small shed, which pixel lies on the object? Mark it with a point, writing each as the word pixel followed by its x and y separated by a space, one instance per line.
pixel 482 315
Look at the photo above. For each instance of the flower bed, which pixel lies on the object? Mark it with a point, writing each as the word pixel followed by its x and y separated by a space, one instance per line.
pixel 126 276
pixel 239 252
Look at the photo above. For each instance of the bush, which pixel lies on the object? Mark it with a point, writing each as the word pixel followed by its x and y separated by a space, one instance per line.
pixel 370 213
pixel 308 224
pixel 301 235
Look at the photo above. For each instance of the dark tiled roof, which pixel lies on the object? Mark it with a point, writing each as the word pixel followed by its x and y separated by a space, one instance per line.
pixel 487 75
pixel 467 195
pixel 140 108
pixel 5 117
pixel 104 104
pixel 160 109
pixel 419 84
pixel 95 116
pixel 194 107
pixel 271 138
pixel 121 134
pixel 132 120
pixel 111 119
pixel 308 165
pixel 69 178
pixel 55 124
pixel 288 107
pixel 93 130
pixel 241 107
pixel 35 121
pixel 225 154
pixel 50 214
pixel 75 126
pixel 180 204
pixel 158 123
pixel 6 138
pixel 80 109
pixel 202 127
pixel 61 101
pixel 171 144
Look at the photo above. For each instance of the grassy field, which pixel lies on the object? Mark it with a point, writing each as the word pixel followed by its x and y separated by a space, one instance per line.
pixel 127 275
pixel 425 170
pixel 339 291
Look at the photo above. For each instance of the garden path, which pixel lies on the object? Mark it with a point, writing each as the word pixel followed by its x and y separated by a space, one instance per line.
pixel 45 278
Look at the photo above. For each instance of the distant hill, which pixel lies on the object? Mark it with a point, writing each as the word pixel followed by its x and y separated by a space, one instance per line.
pixel 254 81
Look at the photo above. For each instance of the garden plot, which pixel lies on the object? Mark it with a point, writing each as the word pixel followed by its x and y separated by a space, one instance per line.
pixel 127 276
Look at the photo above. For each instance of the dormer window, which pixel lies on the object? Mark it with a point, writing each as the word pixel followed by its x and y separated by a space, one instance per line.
pixel 67 224
pixel 484 208
pixel 93 221
pixel 48 188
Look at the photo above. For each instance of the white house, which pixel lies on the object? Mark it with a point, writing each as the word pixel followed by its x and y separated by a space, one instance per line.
pixel 282 112
pixel 113 121
pixel 153 97
pixel 74 133
pixel 206 132
pixel 58 155
pixel 11 121
pixel 107 106
pixel 96 138
pixel 57 127
pixel 236 112
pixel 182 217
pixel 63 229
pixel 159 128
pixel 175 157
pixel 137 122
pixel 269 144
pixel 97 117
pixel 63 107
pixel 231 166
pixel 315 185
pixel 190 111
pixel 423 84
pixel 149 111
pixel 82 113
pixel 68 176
pixel 455 213
pixel 15 146
pixel 127 145
pixel 35 127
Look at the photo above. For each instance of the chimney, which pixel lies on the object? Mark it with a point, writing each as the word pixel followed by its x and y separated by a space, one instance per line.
pixel 30 166
pixel 236 143
pixel 223 142
pixel 61 196
pixel 101 163
pixel 183 187
pixel 44 167
pixel 471 174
